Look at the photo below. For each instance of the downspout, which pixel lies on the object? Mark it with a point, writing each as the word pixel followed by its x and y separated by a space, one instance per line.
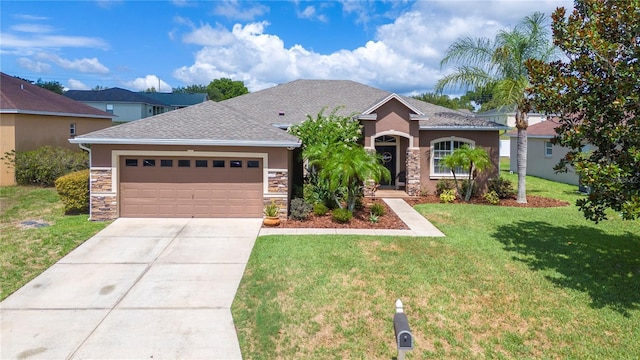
pixel 88 149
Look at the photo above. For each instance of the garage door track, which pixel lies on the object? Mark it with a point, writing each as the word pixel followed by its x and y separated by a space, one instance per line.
pixel 139 289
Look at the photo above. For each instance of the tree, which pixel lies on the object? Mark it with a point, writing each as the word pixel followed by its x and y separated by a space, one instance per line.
pixel 191 89
pixel 446 101
pixel 501 63
pixel 595 95
pixel 99 87
pixel 54 86
pixel 473 160
pixel 224 88
pixel 151 90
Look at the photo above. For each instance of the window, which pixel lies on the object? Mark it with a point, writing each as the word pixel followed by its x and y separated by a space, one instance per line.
pixel 110 108
pixel 166 163
pixel 253 163
pixel 235 163
pixel 72 129
pixel 130 162
pixel 440 149
pixel 548 149
pixel 184 163
pixel 201 163
pixel 218 163
pixel 149 162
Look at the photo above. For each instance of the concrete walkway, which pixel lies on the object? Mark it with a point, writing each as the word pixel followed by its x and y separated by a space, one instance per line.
pixel 139 289
pixel 418 225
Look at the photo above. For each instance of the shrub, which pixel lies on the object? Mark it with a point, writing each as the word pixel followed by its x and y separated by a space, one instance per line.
pixel 44 165
pixel 502 187
pixel 444 184
pixel 320 209
pixel 465 186
pixel 492 198
pixel 341 216
pixel 299 209
pixel 448 196
pixel 73 189
pixel 374 218
pixel 377 209
pixel 272 209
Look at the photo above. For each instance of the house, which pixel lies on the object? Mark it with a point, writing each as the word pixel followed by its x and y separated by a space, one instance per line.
pixel 126 105
pixel 32 117
pixel 228 159
pixel 178 100
pixel 542 155
pixel 507 116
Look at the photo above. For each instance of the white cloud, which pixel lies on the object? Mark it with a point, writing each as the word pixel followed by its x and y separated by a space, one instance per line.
pixel 237 10
pixel 13 41
pixel 149 81
pixel 35 66
pixel 84 65
pixel 74 84
pixel 32 28
pixel 30 17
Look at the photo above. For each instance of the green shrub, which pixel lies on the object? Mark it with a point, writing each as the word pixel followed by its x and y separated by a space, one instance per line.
pixel 492 198
pixel 377 209
pixel 447 196
pixel 73 189
pixel 299 209
pixel 374 218
pixel 341 216
pixel 320 209
pixel 444 184
pixel 44 165
pixel 502 187
pixel 465 185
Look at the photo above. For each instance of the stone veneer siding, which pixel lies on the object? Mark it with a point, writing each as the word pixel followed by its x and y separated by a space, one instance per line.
pixel 104 206
pixel 413 172
pixel 279 186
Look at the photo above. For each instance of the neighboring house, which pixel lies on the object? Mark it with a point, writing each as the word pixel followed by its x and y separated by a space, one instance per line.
pixel 542 155
pixel 228 159
pixel 126 105
pixel 507 116
pixel 178 100
pixel 32 117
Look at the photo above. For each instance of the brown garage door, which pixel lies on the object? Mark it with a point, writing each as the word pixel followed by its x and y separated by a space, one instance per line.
pixel 190 187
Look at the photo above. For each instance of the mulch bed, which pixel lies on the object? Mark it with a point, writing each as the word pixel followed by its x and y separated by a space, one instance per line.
pixel 391 221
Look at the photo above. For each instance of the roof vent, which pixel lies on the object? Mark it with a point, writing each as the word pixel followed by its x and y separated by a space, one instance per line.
pixel 21 86
pixel 281 112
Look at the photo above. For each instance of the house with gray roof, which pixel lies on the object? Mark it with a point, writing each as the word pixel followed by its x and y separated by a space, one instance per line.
pixel 178 100
pixel 124 104
pixel 228 159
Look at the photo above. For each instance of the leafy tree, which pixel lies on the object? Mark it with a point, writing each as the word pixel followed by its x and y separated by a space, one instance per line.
pixel 595 93
pixel 224 88
pixel 473 160
pixel 99 87
pixel 191 89
pixel 150 90
pixel 446 101
pixel 54 86
pixel 482 62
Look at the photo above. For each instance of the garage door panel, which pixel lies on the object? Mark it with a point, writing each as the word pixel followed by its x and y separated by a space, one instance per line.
pixel 190 191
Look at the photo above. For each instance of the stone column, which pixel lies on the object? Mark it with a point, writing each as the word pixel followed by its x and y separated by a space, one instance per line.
pixel 278 187
pixel 413 172
pixel 104 203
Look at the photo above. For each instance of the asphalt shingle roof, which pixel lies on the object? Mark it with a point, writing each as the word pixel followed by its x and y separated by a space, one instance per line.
pixel 113 94
pixel 208 122
pixel 178 99
pixel 20 96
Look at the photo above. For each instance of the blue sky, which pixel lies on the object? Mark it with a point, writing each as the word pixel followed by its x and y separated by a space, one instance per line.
pixel 392 45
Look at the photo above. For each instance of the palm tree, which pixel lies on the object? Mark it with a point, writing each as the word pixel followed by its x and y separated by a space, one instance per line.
pixel 501 63
pixel 473 160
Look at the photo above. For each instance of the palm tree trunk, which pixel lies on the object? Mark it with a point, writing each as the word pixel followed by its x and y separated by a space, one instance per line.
pixel 521 124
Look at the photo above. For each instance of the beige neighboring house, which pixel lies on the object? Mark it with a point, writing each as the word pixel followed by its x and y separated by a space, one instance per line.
pixel 32 117
pixel 507 116
pixel 542 155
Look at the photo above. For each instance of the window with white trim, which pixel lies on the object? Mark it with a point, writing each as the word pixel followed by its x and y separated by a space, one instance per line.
pixel 443 147
pixel 72 129
pixel 548 149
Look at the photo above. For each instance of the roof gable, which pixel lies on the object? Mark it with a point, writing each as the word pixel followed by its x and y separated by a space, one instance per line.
pixel 19 96
pixel 417 114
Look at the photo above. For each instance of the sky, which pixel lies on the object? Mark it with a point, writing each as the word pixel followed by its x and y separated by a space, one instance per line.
pixel 393 45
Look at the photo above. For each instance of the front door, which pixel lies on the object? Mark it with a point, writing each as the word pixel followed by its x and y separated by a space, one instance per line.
pixel 388 154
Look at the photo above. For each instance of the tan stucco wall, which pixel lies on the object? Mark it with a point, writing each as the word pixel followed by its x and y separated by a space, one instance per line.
pixel 24 132
pixel 489 140
pixel 392 117
pixel 540 165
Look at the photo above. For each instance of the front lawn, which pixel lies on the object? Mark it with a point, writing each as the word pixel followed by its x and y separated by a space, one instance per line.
pixel 27 250
pixel 503 283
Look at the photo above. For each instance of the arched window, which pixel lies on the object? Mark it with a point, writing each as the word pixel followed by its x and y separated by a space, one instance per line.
pixel 443 147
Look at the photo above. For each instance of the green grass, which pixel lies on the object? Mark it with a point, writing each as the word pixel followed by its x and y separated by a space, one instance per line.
pixel 27 252
pixel 504 283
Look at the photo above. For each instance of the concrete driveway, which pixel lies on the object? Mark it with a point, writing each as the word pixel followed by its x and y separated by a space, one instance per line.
pixel 139 289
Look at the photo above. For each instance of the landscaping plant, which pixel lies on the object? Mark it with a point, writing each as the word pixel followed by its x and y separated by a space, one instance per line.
pixel 74 192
